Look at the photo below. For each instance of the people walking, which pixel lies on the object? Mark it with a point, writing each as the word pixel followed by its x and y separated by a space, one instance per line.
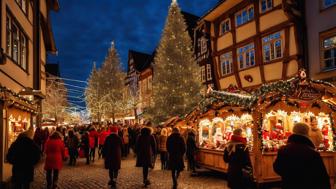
pixel 126 142
pixel 72 144
pixel 54 150
pixel 23 154
pixel 176 149
pixel 162 141
pixel 112 154
pixel 145 150
pixel 298 164
pixel 191 151
pixel 102 137
pixel 236 154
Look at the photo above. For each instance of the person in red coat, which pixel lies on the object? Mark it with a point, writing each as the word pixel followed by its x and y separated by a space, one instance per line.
pixel 102 137
pixel 54 150
pixel 112 155
pixel 93 142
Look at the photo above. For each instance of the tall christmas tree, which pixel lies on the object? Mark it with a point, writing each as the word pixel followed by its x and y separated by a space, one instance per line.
pixel 176 82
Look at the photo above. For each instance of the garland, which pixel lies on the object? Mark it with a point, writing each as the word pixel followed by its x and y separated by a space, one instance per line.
pixel 333 130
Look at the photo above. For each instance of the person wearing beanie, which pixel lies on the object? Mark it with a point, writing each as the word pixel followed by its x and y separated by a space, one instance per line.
pixel 112 155
pixel 236 154
pixel 299 164
pixel 23 154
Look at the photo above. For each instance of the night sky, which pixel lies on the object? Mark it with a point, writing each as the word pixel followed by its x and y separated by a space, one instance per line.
pixel 84 30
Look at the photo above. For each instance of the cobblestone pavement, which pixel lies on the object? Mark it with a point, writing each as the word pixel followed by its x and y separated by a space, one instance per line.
pixel 94 176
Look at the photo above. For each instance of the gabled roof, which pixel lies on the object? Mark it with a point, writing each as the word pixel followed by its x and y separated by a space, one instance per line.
pixel 191 21
pixel 141 60
pixel 53 69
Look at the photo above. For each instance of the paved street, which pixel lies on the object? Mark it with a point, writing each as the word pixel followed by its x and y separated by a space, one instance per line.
pixel 94 176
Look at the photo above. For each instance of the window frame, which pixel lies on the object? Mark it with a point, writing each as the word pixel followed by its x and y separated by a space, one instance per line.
pixel 203 75
pixel 240 14
pixel 20 4
pixel 208 72
pixel 267 8
pixel 272 46
pixel 323 36
pixel 226 59
pixel 20 61
pixel 221 31
pixel 246 55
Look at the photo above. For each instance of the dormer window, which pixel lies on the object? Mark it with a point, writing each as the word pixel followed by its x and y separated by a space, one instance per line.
pixel 266 5
pixel 224 26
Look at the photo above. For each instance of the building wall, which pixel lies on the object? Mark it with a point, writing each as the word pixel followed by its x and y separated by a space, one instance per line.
pixel 318 21
pixel 253 31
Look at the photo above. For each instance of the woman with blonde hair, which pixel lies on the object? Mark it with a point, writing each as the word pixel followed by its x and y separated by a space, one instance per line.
pixel 163 149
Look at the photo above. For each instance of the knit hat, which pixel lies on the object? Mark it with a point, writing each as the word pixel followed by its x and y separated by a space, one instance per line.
pixel 301 129
pixel 114 129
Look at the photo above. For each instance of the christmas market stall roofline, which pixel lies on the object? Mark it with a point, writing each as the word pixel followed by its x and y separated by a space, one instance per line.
pixel 298 94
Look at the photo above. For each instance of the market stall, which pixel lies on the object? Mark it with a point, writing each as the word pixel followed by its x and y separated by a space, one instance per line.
pixel 267 117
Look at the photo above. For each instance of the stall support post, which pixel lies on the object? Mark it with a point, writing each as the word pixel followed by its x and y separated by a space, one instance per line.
pixel 257 116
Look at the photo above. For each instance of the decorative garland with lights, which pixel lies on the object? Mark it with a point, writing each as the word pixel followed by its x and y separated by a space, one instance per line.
pixel 333 130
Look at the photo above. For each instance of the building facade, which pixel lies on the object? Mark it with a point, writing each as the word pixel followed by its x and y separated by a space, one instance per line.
pixel 26 37
pixel 247 46
pixel 321 30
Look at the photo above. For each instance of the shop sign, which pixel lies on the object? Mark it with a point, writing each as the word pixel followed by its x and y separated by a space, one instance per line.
pixel 308 94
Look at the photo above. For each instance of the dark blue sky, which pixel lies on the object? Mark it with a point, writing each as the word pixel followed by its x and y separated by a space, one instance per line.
pixel 84 29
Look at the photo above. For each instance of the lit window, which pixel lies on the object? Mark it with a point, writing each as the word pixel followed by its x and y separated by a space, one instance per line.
pixel 244 15
pixel 16 43
pixel 224 26
pixel 246 56
pixel 226 63
pixel 272 46
pixel 208 72
pixel 328 3
pixel 329 53
pixel 203 45
pixel 203 73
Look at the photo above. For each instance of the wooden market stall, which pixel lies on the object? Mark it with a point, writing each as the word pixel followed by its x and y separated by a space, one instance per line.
pixel 267 117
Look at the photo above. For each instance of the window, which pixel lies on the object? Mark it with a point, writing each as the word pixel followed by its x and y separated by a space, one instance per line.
pixel 266 5
pixel 208 72
pixel 328 3
pixel 244 16
pixel 272 46
pixel 245 56
pixel 23 5
pixel 203 73
pixel 226 63
pixel 202 45
pixel 224 26
pixel 329 52
pixel 17 43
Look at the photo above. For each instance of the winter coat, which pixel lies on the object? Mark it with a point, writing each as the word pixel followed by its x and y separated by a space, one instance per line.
pixel 72 142
pixel 23 154
pixel 236 154
pixel 38 136
pixel 145 148
pixel 162 141
pixel 102 137
pixel 176 149
pixel 85 144
pixel 93 138
pixel 112 152
pixel 191 146
pixel 54 150
pixel 300 166
pixel 125 136
pixel 315 135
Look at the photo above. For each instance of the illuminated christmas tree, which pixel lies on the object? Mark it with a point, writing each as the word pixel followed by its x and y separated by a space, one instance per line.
pixel 176 81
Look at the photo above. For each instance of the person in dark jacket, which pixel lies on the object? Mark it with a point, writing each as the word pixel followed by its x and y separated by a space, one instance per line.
pixel 72 144
pixel 191 150
pixel 112 154
pixel 236 154
pixel 176 149
pixel 298 164
pixel 85 145
pixel 23 154
pixel 145 149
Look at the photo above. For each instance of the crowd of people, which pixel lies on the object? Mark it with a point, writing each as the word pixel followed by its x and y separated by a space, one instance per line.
pixel 298 162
